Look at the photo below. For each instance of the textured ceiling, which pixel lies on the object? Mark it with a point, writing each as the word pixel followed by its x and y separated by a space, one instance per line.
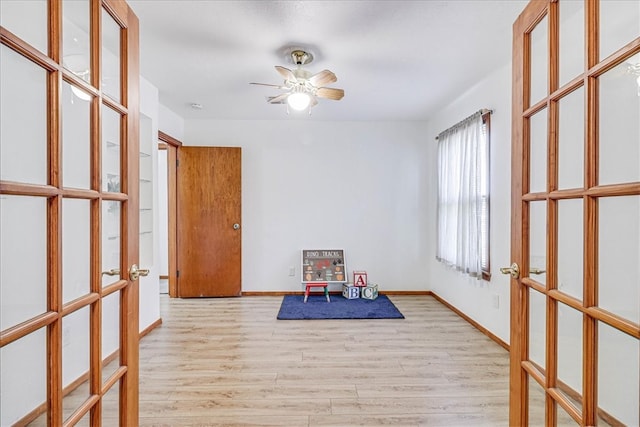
pixel 396 60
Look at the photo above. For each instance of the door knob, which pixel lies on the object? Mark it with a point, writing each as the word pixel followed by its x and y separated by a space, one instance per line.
pixel 236 226
pixel 112 272
pixel 536 271
pixel 513 270
pixel 135 272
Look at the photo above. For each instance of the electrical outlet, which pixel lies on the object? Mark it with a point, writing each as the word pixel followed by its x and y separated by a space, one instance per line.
pixel 292 271
pixel 496 301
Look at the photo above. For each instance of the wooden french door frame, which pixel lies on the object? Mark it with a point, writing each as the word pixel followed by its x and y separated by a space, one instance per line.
pixel 523 370
pixel 125 377
pixel 172 146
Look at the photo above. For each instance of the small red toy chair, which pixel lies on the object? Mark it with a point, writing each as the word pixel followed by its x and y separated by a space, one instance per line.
pixel 317 285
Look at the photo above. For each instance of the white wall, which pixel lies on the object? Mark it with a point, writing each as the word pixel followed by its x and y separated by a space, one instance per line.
pixel 170 123
pixel 477 298
pixel 310 184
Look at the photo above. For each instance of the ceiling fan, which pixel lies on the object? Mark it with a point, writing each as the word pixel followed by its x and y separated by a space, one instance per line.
pixel 303 88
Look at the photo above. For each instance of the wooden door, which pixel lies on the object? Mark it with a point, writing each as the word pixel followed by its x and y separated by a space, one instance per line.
pixel 69 208
pixel 575 206
pixel 209 234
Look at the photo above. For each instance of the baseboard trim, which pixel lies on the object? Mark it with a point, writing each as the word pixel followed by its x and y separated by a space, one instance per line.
pixel 473 323
pixel 31 416
pixel 42 408
pixel 150 328
pixel 283 293
pixel 427 293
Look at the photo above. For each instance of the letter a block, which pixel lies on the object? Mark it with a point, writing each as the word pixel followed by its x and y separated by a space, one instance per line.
pixel 360 278
pixel 350 292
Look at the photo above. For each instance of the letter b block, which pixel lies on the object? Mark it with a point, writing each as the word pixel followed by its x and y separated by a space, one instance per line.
pixel 350 292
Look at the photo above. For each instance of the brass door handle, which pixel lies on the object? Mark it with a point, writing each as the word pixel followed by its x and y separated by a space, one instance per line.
pixel 513 270
pixel 537 271
pixel 135 272
pixel 112 272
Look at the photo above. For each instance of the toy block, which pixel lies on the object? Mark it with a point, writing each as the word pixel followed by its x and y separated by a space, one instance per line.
pixel 350 292
pixel 360 278
pixel 370 292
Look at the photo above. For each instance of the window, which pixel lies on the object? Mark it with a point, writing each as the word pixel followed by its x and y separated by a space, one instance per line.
pixel 463 196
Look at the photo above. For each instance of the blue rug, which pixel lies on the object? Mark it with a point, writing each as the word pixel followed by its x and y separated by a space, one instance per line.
pixel 317 307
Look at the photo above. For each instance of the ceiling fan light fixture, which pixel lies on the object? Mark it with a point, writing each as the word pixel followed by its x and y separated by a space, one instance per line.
pixel 299 101
pixel 80 94
pixel 302 87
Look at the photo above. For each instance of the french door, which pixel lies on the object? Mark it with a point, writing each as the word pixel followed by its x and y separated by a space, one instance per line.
pixel 69 212
pixel 575 236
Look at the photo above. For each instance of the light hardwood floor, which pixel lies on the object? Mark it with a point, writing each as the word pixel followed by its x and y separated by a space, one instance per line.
pixel 230 362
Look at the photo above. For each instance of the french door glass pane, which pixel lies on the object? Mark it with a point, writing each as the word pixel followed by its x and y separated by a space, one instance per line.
pixel 618 255
pixel 75 249
pixel 538 240
pixel 538 152
pixel 85 421
pixel 111 242
pixel 23 376
pixel 110 406
pixel 110 335
pixel 23 265
pixel 537 327
pixel 110 56
pixel 619 129
pixel 76 159
pixel 571 140
pixel 563 418
pixel 539 61
pixel 536 403
pixel 570 353
pixel 570 247
pixel 618 374
pixel 619 25
pixel 75 38
pixel 27 20
pixel 111 124
pixel 571 40
pixel 75 358
pixel 23 114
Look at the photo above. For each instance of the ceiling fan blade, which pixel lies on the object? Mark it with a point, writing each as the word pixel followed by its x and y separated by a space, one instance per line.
pixel 270 85
pixel 280 99
pixel 330 93
pixel 322 78
pixel 286 73
pixel 314 102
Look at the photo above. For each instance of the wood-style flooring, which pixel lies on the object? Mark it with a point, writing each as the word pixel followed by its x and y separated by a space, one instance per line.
pixel 230 362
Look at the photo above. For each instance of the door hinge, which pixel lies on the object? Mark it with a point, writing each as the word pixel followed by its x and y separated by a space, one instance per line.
pixel 177 162
pixel 178 273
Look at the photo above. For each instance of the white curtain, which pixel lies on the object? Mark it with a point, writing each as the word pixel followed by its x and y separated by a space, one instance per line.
pixel 462 209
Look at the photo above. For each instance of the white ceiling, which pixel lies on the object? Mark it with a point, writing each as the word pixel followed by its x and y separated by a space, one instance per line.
pixel 396 60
